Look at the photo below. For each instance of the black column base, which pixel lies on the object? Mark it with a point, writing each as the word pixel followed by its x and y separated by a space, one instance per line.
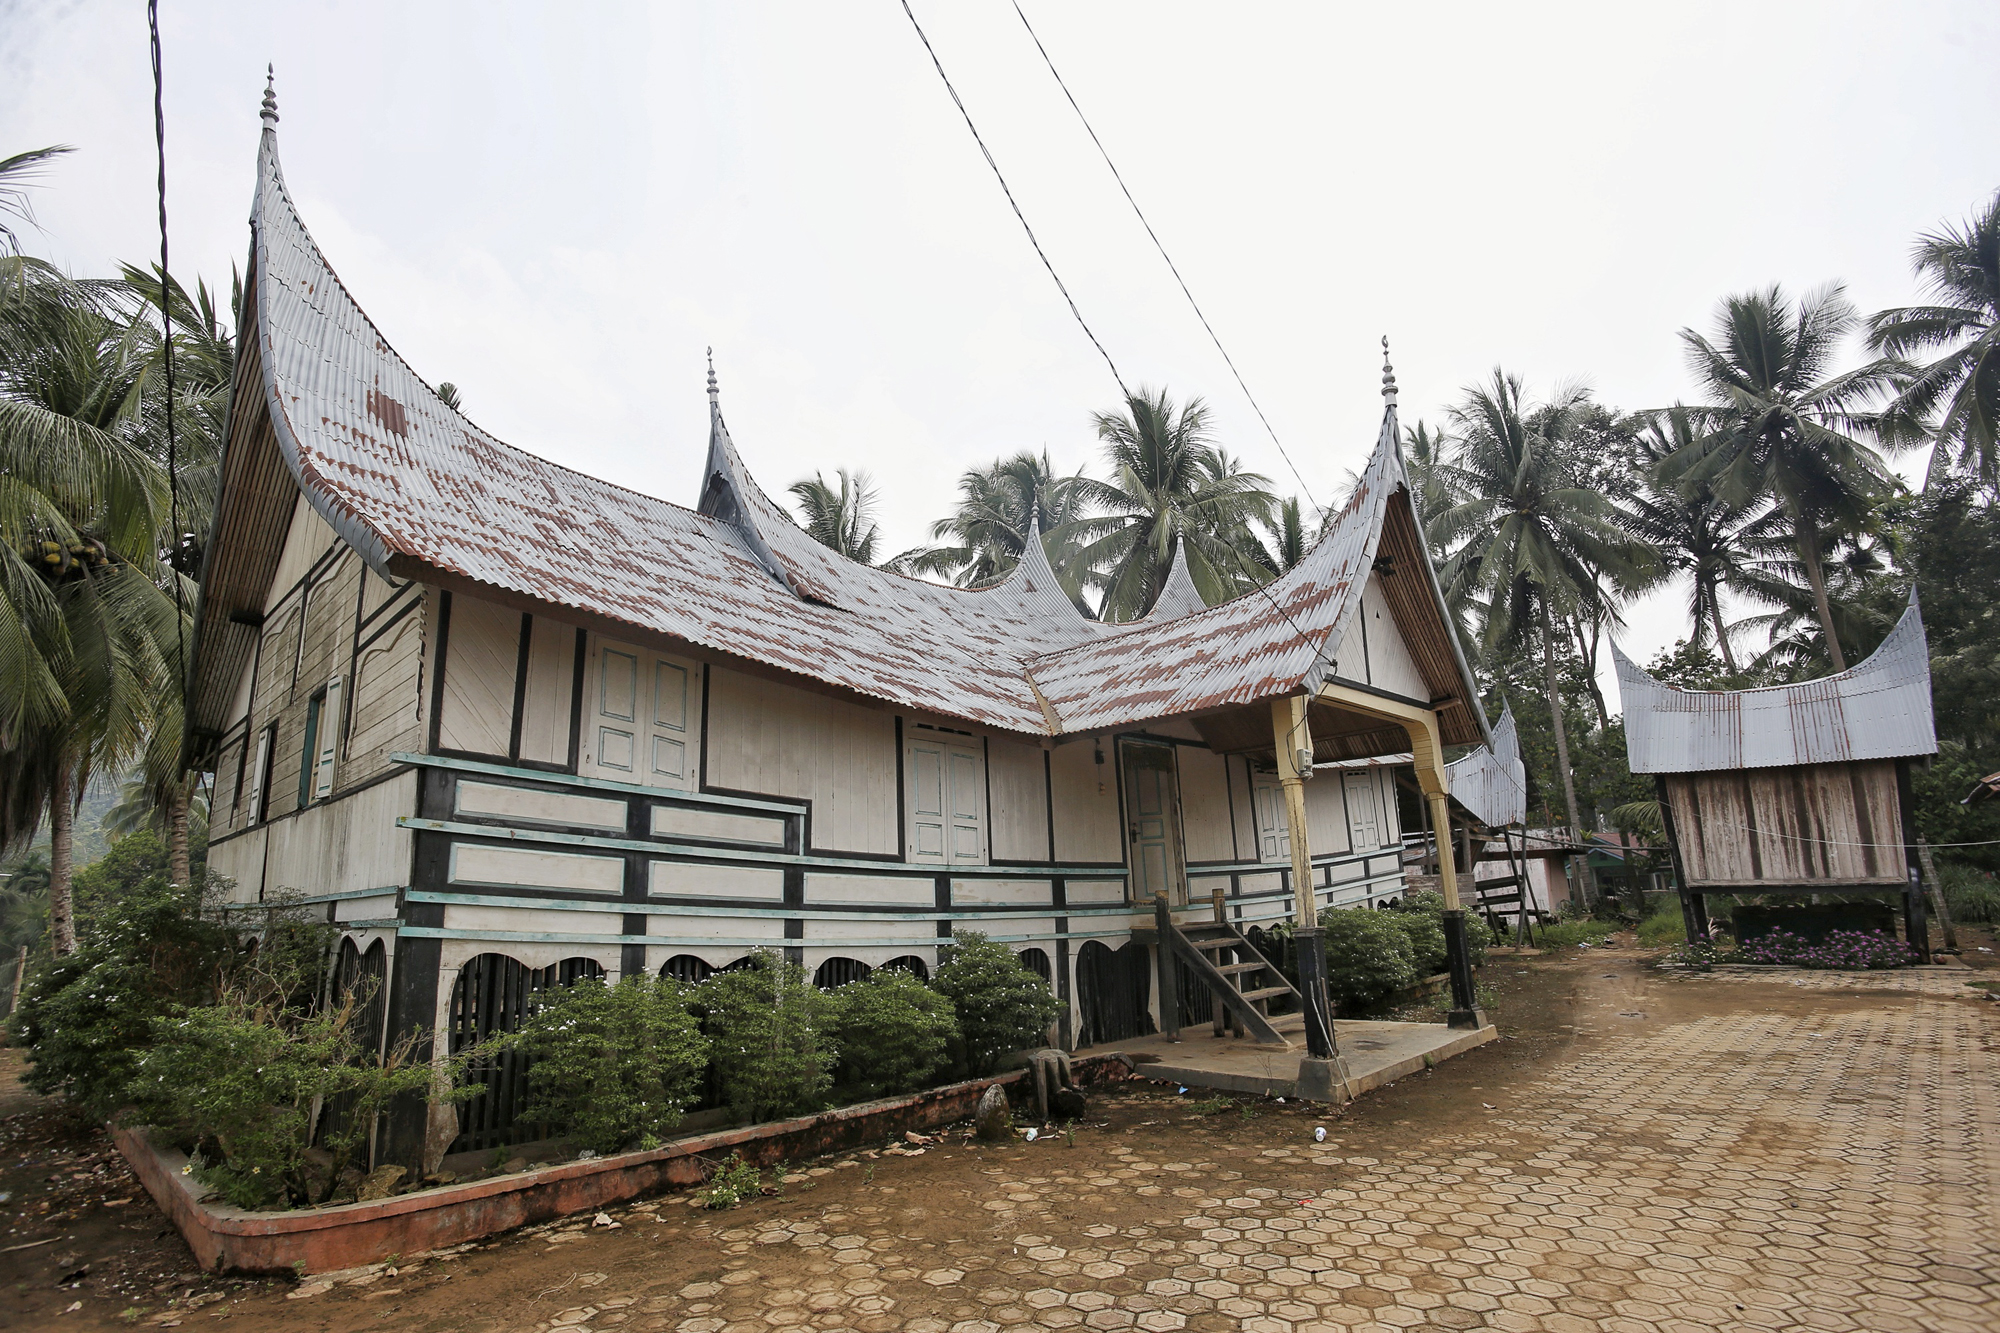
pixel 1320 1044
pixel 1458 965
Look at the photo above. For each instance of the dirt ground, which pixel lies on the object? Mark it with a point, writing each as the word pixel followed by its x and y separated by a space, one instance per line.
pixel 1639 1151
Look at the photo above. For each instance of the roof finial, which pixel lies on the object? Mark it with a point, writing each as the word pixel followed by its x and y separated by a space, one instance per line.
pixel 714 394
pixel 1388 373
pixel 270 111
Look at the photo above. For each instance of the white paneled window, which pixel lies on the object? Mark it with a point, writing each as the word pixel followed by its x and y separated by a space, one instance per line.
pixel 946 800
pixel 640 715
pixel 1364 811
pixel 1274 829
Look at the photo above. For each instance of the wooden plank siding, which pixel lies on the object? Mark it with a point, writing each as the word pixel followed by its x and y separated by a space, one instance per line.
pixel 482 658
pixel 774 740
pixel 1017 791
pixel 1089 827
pixel 1815 824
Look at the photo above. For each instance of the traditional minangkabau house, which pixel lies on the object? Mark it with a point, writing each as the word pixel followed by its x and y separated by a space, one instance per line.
pixel 1801 788
pixel 507 724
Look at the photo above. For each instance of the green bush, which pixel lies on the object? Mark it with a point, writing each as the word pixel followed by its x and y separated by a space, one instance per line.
pixel 1368 957
pixel 1568 934
pixel 242 1080
pixel 86 1017
pixel 733 1182
pixel 1970 894
pixel 893 1033
pixel 1422 917
pixel 613 1066
pixel 766 1024
pixel 1001 1006
pixel 1663 927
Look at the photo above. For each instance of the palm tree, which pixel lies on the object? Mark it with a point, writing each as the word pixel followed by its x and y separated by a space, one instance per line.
pixel 17 173
pixel 1961 266
pixel 1170 484
pixel 1289 538
pixel 1782 427
pixel 1691 530
pixel 997 507
pixel 1534 544
pixel 844 519
pixel 84 620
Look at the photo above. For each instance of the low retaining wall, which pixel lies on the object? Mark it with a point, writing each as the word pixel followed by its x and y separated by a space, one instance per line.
pixel 317 1240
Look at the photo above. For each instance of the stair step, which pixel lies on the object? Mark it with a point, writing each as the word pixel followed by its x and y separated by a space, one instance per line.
pixel 1220 942
pixel 1232 969
pixel 1267 993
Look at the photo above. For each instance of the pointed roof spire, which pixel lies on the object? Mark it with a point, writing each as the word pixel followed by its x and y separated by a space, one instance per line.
pixel 714 394
pixel 1178 595
pixel 269 114
pixel 1388 373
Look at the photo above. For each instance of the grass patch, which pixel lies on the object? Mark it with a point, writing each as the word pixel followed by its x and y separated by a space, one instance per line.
pixel 1569 934
pixel 1664 927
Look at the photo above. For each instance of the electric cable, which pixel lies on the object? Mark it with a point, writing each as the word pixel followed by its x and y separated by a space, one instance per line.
pixel 997 175
pixel 174 545
pixel 1171 266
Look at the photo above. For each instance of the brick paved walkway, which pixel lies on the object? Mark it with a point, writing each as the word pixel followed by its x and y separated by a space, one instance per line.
pixel 1829 1170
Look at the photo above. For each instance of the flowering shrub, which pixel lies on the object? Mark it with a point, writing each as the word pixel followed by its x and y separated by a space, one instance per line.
pixel 766 1024
pixel 1857 949
pixel 893 1033
pixel 613 1065
pixel 86 1017
pixel 1001 1006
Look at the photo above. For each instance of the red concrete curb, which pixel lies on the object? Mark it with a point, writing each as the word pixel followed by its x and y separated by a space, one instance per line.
pixel 349 1235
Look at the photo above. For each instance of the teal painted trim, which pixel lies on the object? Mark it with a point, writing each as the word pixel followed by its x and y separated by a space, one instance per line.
pixel 1273 867
pixel 376 923
pixel 752 857
pixel 315 899
pixel 733 910
pixel 690 942
pixel 597 784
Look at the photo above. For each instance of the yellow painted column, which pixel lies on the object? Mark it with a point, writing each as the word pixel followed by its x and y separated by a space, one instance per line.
pixel 1288 725
pixel 1447 871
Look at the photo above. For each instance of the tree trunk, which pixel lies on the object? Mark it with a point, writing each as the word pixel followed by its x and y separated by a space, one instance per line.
pixel 1721 634
pixel 1586 648
pixel 1816 579
pixel 179 863
pixel 62 812
pixel 1561 731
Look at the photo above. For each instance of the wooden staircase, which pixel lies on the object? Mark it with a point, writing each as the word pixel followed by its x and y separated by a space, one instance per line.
pixel 1241 979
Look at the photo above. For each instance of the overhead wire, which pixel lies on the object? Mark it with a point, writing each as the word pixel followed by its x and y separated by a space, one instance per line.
pixel 174 546
pixel 959 102
pixel 1004 189
pixel 1161 247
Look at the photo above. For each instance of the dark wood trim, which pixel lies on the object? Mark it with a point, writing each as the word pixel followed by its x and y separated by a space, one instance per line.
pixel 397 602
pixel 391 623
pixel 701 764
pixel 438 666
pixel 986 790
pixel 1049 797
pixel 902 797
pixel 527 642
pixel 1367 665
pixel 576 702
pixel 340 794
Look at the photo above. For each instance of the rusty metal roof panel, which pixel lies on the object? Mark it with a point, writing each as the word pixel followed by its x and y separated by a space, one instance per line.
pixel 1178 596
pixel 1877 709
pixel 1492 782
pixel 1274 640
pixel 399 474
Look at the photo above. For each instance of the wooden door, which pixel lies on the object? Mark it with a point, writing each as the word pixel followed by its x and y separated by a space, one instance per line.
pixel 639 717
pixel 947 801
pixel 1364 811
pixel 1152 823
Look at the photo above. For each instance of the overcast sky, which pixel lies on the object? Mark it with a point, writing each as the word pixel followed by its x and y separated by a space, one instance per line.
pixel 557 207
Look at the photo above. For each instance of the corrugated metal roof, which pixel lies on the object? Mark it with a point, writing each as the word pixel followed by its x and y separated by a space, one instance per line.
pixel 1878 709
pixel 1493 782
pixel 409 481
pixel 1178 596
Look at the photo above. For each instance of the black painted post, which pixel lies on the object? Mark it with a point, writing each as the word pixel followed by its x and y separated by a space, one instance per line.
pixel 1170 993
pixel 1458 962
pixel 1320 1044
pixel 1916 927
pixel 1694 913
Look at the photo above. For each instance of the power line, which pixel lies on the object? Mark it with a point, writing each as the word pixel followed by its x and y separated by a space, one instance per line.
pixel 1227 359
pixel 957 100
pixel 960 103
pixel 167 354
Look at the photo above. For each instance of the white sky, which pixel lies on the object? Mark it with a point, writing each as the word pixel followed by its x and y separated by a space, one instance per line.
pixel 557 207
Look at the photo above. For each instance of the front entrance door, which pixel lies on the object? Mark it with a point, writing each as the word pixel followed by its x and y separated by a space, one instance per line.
pixel 1152 823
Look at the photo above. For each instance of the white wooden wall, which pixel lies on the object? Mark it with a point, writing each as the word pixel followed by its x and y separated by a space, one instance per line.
pixel 772 738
